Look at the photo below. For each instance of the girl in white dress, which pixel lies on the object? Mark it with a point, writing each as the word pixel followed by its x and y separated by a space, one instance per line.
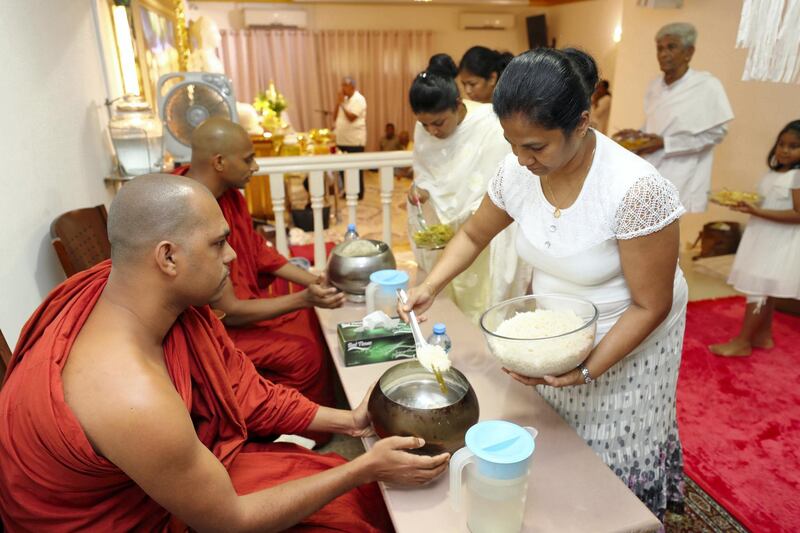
pixel 767 264
pixel 598 222
pixel 457 147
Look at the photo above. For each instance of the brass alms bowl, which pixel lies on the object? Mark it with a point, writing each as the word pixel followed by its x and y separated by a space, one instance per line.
pixel 408 401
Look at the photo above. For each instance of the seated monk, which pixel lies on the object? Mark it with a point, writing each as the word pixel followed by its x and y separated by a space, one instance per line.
pixel 280 334
pixel 127 407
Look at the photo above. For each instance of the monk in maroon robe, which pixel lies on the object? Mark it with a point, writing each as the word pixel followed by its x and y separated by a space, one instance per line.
pixel 127 407
pixel 280 334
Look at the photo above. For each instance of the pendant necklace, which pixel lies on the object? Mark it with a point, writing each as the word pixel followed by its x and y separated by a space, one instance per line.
pixel 557 210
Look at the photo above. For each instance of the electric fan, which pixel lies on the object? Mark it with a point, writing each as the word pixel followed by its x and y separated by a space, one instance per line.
pixel 185 100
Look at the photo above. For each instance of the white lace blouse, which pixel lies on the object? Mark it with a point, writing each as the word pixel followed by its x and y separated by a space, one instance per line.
pixel 623 197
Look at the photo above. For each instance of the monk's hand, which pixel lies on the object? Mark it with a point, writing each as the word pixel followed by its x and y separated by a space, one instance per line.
pixel 316 295
pixel 362 424
pixel 420 298
pixel 573 377
pixel 391 463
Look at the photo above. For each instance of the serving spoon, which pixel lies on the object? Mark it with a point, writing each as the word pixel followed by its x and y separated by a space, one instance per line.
pixel 419 341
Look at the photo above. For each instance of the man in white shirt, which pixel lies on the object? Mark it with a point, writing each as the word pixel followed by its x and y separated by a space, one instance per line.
pixel 351 122
pixel 687 114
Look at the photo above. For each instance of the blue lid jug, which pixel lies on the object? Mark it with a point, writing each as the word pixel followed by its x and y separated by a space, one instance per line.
pixel 500 449
pixel 390 279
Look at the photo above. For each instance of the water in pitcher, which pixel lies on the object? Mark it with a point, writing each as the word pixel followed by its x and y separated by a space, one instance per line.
pixel 495 506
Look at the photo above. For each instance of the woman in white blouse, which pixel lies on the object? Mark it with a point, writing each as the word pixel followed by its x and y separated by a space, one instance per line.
pixel 598 222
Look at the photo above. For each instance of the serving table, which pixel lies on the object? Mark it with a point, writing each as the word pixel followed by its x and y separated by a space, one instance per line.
pixel 570 488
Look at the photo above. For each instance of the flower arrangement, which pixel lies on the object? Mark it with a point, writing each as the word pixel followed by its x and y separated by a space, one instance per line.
pixel 270 101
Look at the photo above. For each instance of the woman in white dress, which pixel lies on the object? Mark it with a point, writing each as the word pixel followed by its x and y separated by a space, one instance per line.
pixel 598 222
pixel 767 264
pixel 457 147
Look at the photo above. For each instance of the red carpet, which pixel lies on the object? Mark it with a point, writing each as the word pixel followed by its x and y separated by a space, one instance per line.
pixel 739 418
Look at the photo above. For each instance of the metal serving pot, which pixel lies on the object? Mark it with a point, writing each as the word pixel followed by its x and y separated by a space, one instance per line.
pixel 351 274
pixel 407 401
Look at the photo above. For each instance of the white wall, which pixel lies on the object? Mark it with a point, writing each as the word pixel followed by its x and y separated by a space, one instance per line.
pixel 761 108
pixel 54 158
pixel 590 26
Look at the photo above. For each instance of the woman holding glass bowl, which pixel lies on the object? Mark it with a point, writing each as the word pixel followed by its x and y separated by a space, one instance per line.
pixel 597 222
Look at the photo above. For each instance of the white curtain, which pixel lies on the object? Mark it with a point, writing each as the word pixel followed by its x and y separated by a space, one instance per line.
pixel 307 67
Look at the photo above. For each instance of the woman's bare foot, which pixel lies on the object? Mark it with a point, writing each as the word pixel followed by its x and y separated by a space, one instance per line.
pixel 765 343
pixel 732 348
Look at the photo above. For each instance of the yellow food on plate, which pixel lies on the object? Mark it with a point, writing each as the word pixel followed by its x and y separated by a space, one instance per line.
pixel 633 143
pixel 434 236
pixel 731 198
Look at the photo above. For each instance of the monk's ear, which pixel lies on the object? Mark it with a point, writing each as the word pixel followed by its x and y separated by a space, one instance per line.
pixel 165 258
pixel 218 162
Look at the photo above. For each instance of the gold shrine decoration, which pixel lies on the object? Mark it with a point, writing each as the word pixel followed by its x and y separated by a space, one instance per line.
pixel 151 38
pixel 181 34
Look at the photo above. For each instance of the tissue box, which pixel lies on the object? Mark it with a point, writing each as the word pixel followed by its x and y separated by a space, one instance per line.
pixel 375 345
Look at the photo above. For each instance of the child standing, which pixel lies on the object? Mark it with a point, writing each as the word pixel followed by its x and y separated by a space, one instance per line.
pixel 767 264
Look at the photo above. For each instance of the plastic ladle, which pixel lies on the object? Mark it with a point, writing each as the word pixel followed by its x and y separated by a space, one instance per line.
pixel 419 341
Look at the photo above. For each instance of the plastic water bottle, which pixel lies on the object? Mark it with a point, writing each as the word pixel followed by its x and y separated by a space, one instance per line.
pixel 440 338
pixel 351 234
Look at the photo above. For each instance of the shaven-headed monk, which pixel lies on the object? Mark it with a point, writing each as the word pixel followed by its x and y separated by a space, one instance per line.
pixel 280 334
pixel 127 407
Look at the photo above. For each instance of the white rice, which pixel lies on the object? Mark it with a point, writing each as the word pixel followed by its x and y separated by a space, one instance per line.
pixel 359 248
pixel 433 356
pixel 539 351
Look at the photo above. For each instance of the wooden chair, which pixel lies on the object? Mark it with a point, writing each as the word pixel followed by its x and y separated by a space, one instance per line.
pixel 80 238
pixel 5 356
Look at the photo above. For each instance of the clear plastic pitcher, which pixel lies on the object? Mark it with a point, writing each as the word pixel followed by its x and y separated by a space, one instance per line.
pixel 498 454
pixel 381 293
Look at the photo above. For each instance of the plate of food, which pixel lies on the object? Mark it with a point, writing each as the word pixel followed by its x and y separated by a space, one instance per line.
pixel 631 140
pixel 433 237
pixel 729 198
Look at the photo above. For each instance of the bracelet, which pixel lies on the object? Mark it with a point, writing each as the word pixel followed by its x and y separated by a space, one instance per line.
pixel 432 289
pixel 587 377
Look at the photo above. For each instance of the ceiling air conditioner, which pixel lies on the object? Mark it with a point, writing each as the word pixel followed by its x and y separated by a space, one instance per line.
pixel 486 21
pixel 268 18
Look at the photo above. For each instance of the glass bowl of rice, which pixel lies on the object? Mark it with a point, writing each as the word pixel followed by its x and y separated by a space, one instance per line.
pixel 541 334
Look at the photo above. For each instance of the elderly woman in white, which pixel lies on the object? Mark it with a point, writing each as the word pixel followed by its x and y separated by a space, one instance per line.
pixel 687 114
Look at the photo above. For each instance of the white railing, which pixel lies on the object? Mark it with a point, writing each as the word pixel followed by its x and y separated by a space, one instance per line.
pixel 316 166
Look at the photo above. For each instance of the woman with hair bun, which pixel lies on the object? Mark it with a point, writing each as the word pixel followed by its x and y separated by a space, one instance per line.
pixel 457 147
pixel 479 70
pixel 599 222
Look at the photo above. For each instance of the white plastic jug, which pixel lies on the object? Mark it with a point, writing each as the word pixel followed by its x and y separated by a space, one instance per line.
pixel 498 454
pixel 381 293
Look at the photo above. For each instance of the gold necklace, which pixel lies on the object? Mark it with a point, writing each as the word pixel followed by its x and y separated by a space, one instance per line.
pixel 557 210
